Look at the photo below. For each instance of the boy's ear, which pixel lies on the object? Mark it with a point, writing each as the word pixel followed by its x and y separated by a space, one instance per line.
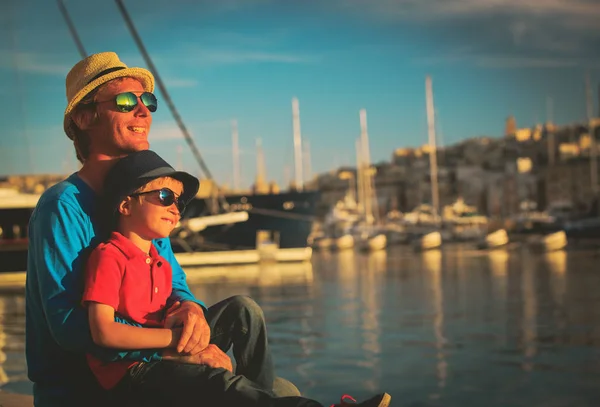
pixel 125 206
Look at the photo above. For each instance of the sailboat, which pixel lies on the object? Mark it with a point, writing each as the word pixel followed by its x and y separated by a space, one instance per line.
pixel 431 239
pixel 589 226
pixel 367 236
pixel 336 230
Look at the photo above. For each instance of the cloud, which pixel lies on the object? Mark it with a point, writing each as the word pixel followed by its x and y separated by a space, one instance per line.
pixel 506 61
pixel 498 61
pixel 452 9
pixel 170 131
pixel 180 83
pixel 228 39
pixel 33 62
pixel 234 57
pixel 495 33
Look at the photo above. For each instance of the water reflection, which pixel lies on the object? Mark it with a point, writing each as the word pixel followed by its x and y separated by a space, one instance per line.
pixel 373 266
pixel 252 275
pixel 498 260
pixel 12 347
pixel 529 323
pixel 432 260
pixel 438 328
pixel 3 375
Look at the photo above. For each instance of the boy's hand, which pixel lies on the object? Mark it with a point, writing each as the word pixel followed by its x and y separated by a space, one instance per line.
pixel 195 335
pixel 211 356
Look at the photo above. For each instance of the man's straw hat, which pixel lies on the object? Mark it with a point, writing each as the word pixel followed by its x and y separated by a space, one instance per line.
pixel 93 71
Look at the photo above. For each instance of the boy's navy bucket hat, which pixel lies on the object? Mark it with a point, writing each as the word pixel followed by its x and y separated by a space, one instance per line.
pixel 136 170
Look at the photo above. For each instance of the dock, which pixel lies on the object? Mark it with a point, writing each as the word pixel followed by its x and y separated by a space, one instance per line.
pixel 15 400
pixel 231 257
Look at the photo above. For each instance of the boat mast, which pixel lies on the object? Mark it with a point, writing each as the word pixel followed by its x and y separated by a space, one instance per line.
pixel 591 131
pixel 550 130
pixel 307 164
pixel 366 166
pixel 297 144
pixel 236 155
pixel 260 182
pixel 432 147
pixel 360 199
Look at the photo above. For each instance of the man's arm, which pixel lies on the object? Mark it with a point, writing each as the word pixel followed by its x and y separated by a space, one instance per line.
pixel 59 240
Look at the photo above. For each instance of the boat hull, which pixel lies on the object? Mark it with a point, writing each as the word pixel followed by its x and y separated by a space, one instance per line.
pixel 289 215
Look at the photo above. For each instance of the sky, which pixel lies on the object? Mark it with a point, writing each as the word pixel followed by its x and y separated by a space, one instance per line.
pixel 247 59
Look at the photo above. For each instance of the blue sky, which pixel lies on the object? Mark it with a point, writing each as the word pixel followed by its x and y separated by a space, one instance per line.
pixel 247 59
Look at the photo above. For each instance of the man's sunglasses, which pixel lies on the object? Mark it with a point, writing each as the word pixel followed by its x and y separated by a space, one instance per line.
pixel 127 101
pixel 166 197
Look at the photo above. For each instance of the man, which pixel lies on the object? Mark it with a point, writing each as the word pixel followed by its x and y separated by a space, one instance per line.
pixel 108 116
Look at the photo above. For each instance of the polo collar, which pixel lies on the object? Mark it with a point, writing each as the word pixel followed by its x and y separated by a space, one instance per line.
pixel 128 248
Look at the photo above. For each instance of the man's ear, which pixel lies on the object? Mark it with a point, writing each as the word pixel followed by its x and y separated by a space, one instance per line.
pixel 83 118
pixel 125 206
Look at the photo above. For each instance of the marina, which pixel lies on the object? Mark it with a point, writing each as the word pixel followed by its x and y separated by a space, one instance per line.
pixel 417 249
pixel 438 328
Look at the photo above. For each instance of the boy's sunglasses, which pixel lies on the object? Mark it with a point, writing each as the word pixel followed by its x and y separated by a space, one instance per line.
pixel 166 197
pixel 127 101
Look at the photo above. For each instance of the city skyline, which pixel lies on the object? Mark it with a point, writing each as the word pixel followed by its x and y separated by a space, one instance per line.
pixel 247 60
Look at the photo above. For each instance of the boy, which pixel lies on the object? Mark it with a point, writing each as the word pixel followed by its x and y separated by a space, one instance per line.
pixel 144 200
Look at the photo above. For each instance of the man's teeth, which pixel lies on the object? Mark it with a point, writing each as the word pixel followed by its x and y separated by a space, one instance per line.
pixel 138 129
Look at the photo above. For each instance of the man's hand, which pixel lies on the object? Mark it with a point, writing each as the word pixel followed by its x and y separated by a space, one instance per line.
pixel 195 334
pixel 211 356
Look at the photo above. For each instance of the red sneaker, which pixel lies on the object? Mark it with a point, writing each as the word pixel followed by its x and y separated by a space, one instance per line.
pixel 381 400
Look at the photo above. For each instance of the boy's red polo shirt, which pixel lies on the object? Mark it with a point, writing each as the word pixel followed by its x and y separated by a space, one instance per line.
pixel 135 284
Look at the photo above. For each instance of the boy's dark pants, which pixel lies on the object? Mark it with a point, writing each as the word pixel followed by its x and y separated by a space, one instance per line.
pixel 237 321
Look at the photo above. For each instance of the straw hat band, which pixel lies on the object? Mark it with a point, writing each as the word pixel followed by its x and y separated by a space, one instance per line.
pixel 105 72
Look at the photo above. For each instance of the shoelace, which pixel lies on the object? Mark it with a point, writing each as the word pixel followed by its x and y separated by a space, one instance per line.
pixel 343 401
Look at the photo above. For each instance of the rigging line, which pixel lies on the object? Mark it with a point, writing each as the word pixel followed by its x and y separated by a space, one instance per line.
pixel 163 90
pixel 71 26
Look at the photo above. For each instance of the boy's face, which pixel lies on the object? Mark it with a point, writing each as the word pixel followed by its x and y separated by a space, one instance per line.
pixel 147 217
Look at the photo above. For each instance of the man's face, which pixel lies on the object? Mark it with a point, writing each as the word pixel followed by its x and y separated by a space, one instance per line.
pixel 115 133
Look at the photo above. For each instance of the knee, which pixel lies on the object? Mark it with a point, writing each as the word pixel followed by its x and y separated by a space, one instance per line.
pixel 285 388
pixel 248 305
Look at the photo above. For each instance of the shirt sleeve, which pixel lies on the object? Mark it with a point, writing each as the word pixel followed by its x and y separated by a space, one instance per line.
pixel 103 276
pixel 180 292
pixel 58 244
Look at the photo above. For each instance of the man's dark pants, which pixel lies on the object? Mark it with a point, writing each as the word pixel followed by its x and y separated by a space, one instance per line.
pixel 236 322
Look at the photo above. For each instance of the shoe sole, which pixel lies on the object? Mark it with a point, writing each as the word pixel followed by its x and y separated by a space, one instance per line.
pixel 385 401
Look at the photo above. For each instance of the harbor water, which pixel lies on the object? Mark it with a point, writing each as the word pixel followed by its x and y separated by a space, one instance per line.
pixel 451 327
